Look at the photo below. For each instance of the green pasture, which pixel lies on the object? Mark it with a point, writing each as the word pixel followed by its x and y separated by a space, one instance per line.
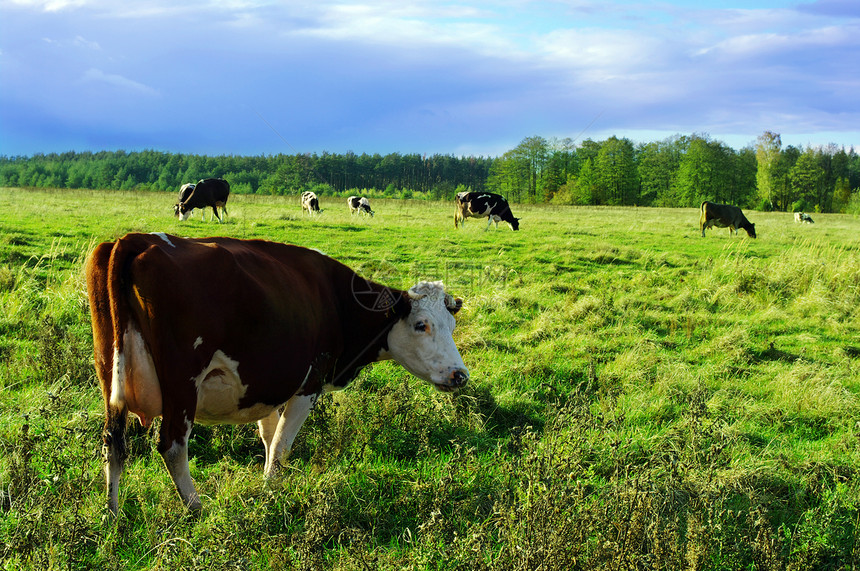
pixel 641 398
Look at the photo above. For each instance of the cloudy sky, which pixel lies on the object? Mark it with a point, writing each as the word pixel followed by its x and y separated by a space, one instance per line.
pixel 469 77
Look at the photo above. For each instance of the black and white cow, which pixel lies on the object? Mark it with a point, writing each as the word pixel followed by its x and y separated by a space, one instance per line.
pixel 208 192
pixel 310 202
pixel 724 216
pixel 359 204
pixel 480 204
pixel 803 218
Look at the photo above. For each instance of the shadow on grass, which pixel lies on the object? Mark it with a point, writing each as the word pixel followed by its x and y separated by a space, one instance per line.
pixel 774 354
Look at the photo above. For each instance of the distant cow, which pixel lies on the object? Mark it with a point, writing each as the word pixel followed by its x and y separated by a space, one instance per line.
pixel 207 192
pixel 803 217
pixel 359 205
pixel 227 331
pixel 310 202
pixel 479 204
pixel 724 216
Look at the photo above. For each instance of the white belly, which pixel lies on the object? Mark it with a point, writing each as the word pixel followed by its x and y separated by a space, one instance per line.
pixel 219 390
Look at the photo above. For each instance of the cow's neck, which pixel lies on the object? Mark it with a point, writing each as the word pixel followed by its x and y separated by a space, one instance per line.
pixel 366 320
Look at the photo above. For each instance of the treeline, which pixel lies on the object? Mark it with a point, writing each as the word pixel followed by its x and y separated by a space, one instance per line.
pixel 437 176
pixel 679 171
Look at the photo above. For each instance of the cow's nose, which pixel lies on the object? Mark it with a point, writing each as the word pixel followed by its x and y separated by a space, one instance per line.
pixel 459 378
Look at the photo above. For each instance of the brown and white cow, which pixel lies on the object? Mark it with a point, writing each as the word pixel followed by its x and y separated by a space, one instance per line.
pixel 310 202
pixel 207 192
pixel 221 330
pixel 359 204
pixel 479 204
pixel 803 218
pixel 724 216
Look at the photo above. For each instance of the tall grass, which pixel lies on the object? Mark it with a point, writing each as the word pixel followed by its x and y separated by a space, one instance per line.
pixel 640 398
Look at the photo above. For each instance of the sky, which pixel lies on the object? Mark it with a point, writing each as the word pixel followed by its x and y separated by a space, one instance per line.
pixel 472 77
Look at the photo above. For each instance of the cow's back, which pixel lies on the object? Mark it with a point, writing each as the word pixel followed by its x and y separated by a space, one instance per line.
pixel 212 191
pixel 270 307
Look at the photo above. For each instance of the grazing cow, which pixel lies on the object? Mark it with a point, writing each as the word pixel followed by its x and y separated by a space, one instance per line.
pixel 208 192
pixel 222 330
pixel 724 216
pixel 359 205
pixel 184 193
pixel 803 217
pixel 479 204
pixel 310 202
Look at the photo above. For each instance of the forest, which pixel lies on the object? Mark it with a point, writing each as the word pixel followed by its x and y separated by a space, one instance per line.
pixel 680 171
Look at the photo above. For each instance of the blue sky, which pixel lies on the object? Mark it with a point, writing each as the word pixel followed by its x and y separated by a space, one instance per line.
pixel 472 77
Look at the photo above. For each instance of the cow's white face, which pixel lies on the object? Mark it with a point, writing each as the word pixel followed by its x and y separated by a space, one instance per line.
pixel 185 214
pixel 423 342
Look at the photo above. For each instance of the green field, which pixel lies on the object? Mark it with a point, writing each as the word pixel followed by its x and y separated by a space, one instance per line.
pixel 641 398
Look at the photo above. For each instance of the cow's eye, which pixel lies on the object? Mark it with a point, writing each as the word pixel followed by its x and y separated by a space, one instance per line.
pixel 420 326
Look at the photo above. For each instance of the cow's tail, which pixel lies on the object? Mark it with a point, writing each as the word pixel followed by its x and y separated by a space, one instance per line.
pixel 108 311
pixel 703 217
pixel 97 265
pixel 460 213
pixel 124 252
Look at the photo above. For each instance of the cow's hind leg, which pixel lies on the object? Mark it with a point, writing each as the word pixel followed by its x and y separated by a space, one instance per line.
pixel 267 427
pixel 173 447
pixel 292 418
pixel 115 453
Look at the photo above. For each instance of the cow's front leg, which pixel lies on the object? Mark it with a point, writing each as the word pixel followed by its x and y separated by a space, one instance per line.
pixel 173 447
pixel 293 416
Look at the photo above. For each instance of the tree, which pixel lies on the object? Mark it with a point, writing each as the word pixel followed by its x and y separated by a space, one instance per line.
pixel 657 165
pixel 782 192
pixel 807 180
pixel 616 172
pixel 706 172
pixel 561 164
pixel 533 152
pixel 508 175
pixel 743 187
pixel 767 153
pixel 588 187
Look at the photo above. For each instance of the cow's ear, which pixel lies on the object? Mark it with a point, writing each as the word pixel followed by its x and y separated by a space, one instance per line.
pixel 453 304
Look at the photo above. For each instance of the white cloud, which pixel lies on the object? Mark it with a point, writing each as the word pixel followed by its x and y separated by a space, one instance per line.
pixel 48 5
pixel 98 76
pixel 85 43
